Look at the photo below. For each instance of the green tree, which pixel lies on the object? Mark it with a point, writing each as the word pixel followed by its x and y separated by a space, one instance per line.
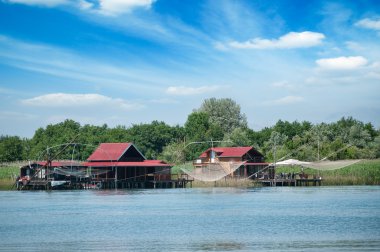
pixel 376 147
pixel 119 134
pixel 151 138
pixel 320 134
pixel 275 145
pixel 174 153
pixel 198 128
pixel 238 137
pixel 258 138
pixel 11 148
pixel 225 113
pixel 358 136
pixel 52 139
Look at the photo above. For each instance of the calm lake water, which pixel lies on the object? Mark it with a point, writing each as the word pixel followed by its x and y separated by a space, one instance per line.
pixel 211 219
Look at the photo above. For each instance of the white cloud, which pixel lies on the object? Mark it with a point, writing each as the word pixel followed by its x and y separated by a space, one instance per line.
pixel 283 84
pixel 84 5
pixel 285 101
pixel 288 100
pixel 105 7
pixel 290 40
pixel 46 3
pixel 354 46
pixel 182 90
pixel 64 100
pixel 116 7
pixel 342 63
pixel 373 24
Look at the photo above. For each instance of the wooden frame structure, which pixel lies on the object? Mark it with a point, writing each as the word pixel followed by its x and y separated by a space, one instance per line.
pixel 110 166
pixel 253 165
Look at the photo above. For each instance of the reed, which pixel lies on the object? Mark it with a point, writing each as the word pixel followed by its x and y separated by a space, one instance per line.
pixel 9 172
pixel 227 182
pixel 8 175
pixel 6 184
pixel 366 172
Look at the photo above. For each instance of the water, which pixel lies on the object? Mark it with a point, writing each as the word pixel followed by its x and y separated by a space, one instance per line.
pixel 211 219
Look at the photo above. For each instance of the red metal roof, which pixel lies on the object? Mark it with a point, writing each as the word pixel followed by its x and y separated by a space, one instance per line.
pixel 228 151
pixel 145 163
pixel 155 161
pixel 109 152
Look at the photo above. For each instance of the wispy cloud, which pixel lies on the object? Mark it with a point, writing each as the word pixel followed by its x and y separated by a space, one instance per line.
pixel 104 7
pixel 64 100
pixel 84 5
pixel 367 23
pixel 5 115
pixel 163 101
pixel 288 41
pixel 283 84
pixel 46 3
pixel 342 63
pixel 63 63
pixel 287 100
pixel 183 90
pixel 116 7
pixel 354 46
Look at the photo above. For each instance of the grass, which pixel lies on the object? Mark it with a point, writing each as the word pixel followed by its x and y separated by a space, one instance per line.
pixel 8 174
pixel 366 172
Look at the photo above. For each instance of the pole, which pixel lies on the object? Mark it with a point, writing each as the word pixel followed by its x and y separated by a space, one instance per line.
pixel 116 177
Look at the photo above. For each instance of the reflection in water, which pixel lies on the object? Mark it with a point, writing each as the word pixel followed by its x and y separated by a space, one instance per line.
pixel 209 219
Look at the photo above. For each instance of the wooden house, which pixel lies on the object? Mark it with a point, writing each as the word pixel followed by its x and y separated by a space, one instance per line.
pixel 48 174
pixel 126 167
pixel 253 165
pixel 110 166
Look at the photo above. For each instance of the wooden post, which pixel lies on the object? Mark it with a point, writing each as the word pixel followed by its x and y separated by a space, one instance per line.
pixel 116 177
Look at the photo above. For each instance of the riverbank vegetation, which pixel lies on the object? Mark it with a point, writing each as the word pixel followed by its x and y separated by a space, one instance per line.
pixel 366 172
pixel 218 119
pixel 8 174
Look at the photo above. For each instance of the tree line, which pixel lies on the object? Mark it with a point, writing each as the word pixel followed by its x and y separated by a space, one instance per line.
pixel 220 120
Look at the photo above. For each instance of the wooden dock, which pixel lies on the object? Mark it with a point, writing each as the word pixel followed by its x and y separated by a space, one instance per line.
pixel 291 182
pixel 176 181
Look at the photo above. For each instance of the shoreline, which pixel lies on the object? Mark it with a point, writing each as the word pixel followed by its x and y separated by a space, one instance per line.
pixel 365 173
pixel 7 185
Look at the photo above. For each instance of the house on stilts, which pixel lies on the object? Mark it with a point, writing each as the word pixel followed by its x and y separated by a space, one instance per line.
pixel 110 166
pixel 245 163
pixel 234 162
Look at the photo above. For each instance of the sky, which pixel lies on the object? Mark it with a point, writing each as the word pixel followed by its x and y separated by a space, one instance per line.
pixel 125 62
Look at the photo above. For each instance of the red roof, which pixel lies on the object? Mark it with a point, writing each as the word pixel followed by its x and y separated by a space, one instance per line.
pixel 228 151
pixel 145 163
pixel 109 152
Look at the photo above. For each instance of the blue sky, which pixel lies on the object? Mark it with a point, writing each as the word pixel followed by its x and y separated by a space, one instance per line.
pixel 123 62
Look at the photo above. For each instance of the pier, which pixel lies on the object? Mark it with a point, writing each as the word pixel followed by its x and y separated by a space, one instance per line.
pixel 290 182
pixel 176 181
